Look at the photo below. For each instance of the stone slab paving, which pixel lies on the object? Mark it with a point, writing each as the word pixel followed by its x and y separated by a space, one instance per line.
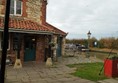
pixel 59 73
pixel 109 81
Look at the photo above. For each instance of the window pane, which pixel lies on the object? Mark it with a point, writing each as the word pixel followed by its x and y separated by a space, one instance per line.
pixel 12 7
pixel 18 7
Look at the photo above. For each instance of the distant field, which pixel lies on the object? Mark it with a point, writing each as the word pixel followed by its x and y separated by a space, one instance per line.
pixel 98 53
pixel 102 55
pixel 104 50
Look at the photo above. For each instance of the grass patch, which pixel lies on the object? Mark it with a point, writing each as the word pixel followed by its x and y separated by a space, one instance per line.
pixel 88 71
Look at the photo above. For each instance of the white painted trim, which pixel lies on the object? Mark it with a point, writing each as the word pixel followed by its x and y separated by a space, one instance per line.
pixel 15 9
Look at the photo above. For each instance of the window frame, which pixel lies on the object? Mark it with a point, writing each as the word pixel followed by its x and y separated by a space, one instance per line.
pixel 15 8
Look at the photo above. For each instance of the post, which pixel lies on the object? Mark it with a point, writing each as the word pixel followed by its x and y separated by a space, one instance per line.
pixel 5 42
pixel 18 63
pixel 88 41
pixel 89 34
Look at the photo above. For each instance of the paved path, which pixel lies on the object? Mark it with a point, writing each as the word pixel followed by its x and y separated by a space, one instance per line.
pixel 59 73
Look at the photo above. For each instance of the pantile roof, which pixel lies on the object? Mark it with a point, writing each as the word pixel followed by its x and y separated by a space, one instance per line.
pixel 55 30
pixel 25 24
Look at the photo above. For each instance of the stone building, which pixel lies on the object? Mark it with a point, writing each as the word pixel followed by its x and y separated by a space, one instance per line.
pixel 29 33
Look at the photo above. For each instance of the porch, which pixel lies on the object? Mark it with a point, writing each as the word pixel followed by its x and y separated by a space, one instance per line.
pixel 33 47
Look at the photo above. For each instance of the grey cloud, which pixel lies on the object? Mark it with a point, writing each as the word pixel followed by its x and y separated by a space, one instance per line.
pixel 79 16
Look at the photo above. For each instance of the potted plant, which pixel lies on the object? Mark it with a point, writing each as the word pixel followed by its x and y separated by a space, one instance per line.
pixel 53 45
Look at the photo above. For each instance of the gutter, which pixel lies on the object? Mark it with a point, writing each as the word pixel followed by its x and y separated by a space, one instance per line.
pixel 28 31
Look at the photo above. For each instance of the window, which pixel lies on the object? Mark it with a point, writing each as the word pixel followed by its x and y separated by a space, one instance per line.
pixel 16 7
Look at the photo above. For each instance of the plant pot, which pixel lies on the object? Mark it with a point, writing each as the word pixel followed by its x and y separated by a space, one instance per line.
pixel 111 67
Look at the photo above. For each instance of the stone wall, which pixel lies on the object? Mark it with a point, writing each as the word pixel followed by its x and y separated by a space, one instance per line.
pixel 34 10
pixel 1 8
pixel 63 46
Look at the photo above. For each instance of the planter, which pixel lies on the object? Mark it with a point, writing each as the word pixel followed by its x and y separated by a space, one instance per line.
pixel 49 62
pixel 111 67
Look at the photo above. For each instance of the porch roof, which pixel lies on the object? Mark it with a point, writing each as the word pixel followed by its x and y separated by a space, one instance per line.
pixel 55 30
pixel 24 25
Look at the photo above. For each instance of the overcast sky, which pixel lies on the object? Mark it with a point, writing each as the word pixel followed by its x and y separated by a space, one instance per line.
pixel 77 17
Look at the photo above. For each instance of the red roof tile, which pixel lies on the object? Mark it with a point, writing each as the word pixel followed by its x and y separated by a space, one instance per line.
pixel 24 24
pixel 56 30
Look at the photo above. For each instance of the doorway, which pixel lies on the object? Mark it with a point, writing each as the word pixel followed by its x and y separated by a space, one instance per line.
pixel 29 48
pixel 59 46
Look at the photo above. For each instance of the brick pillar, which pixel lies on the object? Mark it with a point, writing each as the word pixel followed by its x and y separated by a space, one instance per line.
pixel 40 48
pixel 3 2
pixel 22 50
pixel 43 10
pixel 24 13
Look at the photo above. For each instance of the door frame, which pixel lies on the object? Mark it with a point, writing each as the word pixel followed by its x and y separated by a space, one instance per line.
pixel 59 46
pixel 29 43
